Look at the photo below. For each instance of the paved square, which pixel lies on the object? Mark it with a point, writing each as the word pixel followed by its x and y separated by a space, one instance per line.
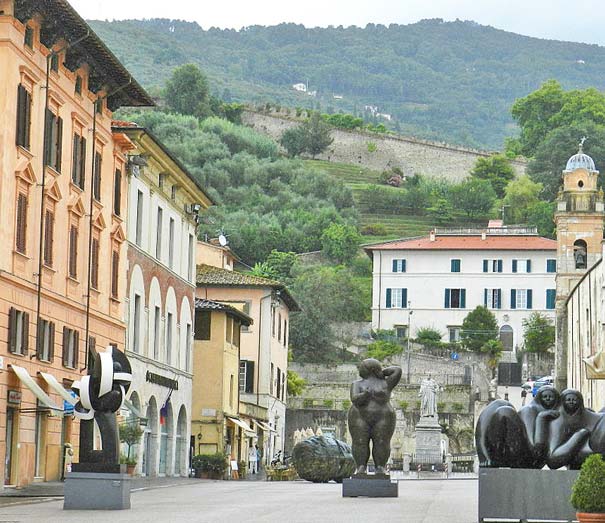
pixel 431 501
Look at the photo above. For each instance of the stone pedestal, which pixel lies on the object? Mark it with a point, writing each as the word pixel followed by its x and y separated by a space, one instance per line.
pixel 428 440
pixel 96 491
pixel 370 486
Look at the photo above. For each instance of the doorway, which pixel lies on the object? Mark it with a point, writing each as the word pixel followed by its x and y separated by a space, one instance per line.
pixel 10 439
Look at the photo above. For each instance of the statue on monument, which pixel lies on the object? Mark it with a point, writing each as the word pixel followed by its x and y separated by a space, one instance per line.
pixel 371 416
pixel 428 397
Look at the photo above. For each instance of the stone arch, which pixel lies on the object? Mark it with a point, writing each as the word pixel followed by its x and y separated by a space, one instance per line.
pixel 186 334
pixel 506 337
pixel 136 310
pixel 154 329
pixel 580 250
pixel 171 337
pixel 181 444
pixel 149 464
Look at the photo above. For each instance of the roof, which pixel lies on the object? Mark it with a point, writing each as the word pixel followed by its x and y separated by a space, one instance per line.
pixel 61 21
pixel 208 276
pixel 468 243
pixel 210 305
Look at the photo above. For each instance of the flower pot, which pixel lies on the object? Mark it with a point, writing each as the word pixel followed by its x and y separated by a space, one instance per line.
pixel 130 469
pixel 590 517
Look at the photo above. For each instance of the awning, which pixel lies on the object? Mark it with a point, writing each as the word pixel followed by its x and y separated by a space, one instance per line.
pixel 58 388
pixel 247 429
pixel 264 426
pixel 29 382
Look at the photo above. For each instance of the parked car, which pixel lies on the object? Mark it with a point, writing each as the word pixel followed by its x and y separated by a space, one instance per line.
pixel 529 384
pixel 545 380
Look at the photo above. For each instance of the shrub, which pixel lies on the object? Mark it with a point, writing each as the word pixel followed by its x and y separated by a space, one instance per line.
pixel 374 229
pixel 346 404
pixel 417 405
pixel 429 337
pixel 216 463
pixel 372 147
pixel 329 403
pixel 307 403
pixel 588 491
pixel 404 405
pixel 440 406
pixel 457 407
pixel 381 350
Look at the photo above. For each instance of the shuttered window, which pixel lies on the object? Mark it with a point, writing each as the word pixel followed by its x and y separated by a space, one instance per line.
pixel 91 352
pixel 78 167
pixel 18 331
pixel 24 109
pixel 492 265
pixel 71 340
pixel 551 265
pixel 49 231
pixel 73 251
pixel 399 265
pixel 94 264
pixel 492 298
pixel 455 299
pixel 115 267
pixel 246 376
pixel 96 177
pixel 45 340
pixel 521 298
pixel 551 295
pixel 53 141
pixel 396 298
pixel 21 225
pixel 117 192
pixel 455 265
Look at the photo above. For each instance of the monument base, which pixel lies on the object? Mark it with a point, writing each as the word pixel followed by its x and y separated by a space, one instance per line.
pixel 524 494
pixel 369 486
pixel 96 491
pixel 428 440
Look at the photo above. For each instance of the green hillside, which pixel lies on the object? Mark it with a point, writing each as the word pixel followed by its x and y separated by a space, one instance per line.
pixel 451 81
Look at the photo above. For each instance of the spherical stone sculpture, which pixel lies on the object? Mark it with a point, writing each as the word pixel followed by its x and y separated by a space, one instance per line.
pixel 323 458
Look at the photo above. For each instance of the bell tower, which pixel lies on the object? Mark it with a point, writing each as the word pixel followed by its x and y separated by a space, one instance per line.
pixel 579 218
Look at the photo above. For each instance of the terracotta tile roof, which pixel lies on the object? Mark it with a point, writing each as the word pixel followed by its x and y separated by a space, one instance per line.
pixel 208 276
pixel 210 305
pixel 468 243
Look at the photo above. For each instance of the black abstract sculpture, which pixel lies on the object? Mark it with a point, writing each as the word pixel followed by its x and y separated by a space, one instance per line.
pixel 101 394
pixel 371 416
pixel 323 458
pixel 554 430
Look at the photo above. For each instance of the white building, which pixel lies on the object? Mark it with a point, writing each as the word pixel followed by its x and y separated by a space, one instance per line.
pixel 435 281
pixel 164 202
pixel 300 87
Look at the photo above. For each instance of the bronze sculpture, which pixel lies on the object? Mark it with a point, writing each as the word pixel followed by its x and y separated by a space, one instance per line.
pixel 371 416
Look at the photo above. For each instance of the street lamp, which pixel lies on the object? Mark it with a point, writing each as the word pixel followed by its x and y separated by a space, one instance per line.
pixel 410 312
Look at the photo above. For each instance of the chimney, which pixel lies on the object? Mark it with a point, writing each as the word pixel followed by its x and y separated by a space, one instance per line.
pixel 483 235
pixel 432 235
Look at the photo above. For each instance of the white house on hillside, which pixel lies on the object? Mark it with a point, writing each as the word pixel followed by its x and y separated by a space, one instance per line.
pixel 435 281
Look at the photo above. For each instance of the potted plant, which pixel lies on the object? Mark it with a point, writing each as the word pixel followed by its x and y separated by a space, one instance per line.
pixel 588 491
pixel 130 434
pixel 209 466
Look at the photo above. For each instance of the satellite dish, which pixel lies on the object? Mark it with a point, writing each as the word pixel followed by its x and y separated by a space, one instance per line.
pixel 222 239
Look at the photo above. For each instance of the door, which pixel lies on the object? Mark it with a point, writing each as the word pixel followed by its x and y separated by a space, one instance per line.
pixel 8 459
pixel 509 374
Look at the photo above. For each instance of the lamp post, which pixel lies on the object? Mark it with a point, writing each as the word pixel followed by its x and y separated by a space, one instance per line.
pixel 410 312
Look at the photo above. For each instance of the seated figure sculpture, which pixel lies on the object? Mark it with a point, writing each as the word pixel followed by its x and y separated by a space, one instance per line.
pixel 371 416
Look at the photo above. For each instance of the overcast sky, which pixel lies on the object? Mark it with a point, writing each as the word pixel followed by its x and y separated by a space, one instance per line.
pixel 573 20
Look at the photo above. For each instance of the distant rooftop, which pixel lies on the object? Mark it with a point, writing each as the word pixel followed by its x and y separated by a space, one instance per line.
pixel 211 305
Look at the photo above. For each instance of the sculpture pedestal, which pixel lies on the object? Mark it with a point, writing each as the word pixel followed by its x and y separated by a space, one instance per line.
pixel 370 486
pixel 523 494
pixel 96 491
pixel 428 440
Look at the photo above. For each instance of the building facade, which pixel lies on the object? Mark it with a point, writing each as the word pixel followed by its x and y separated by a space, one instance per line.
pixel 62 284
pixel 165 204
pixel 436 281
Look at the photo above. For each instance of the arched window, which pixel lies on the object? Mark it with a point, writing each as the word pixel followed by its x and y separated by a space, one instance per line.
pixel 506 337
pixel 579 252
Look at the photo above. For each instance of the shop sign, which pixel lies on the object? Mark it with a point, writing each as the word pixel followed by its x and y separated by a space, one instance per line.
pixel 14 397
pixel 163 381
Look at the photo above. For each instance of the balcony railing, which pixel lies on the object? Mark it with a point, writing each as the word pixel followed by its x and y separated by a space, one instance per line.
pixel 507 230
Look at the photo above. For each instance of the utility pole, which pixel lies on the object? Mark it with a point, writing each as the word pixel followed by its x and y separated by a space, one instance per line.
pixel 410 312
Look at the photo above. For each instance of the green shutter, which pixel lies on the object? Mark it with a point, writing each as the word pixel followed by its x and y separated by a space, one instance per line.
pixel 463 298
pixel 499 298
pixel 485 297
pixel 499 265
pixel 528 265
pixel 403 265
pixel 550 298
pixel 514 265
pixel 394 266
pixel 484 265
pixel 388 298
pixel 513 299
pixel 447 298
pixel 551 265
pixel 529 298
pixel 404 298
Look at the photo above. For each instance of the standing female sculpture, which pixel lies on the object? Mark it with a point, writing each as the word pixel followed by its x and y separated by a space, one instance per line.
pixel 371 416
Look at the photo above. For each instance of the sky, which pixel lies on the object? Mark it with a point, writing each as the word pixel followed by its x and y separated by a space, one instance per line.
pixel 571 20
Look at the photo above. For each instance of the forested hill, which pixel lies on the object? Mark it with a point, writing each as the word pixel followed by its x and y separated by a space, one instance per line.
pixel 452 81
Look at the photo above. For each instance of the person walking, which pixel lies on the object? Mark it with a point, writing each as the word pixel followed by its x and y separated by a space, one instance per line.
pixel 523 396
pixel 253 460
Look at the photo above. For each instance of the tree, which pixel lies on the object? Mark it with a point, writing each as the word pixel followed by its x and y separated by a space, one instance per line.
pixel 522 195
pixel 428 337
pixel 340 242
pixel 312 136
pixel 441 211
pixel 475 197
pixel 282 264
pixel 538 333
pixel 541 214
pixel 130 434
pixel 295 384
pixel 294 141
pixel 187 92
pixel 494 350
pixel 496 169
pixel 479 327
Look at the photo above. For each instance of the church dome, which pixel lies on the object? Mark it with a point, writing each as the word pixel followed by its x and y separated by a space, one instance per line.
pixel 580 161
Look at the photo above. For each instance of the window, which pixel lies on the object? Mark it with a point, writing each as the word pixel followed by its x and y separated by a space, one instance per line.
pixel 91 352
pixel 139 219
pixel 94 263
pixel 117 192
pixel 71 340
pixel 190 258
pixel 136 324
pixel 399 265
pixel 173 192
pixel 551 265
pixel 397 298
pixel 273 321
pixel 54 141
pixel 115 273
pixel 161 178
pixel 49 229
pixel 401 331
pixel 551 295
pixel 28 38
pixel 246 376
pixel 236 332
pixel 171 243
pixel 492 265
pixel 158 233
pixel 202 325
pixel 523 266
pixel 78 86
pixel 285 333
pixel 188 347
pixel 96 177
pixel 157 318
pixel 492 298
pixel 229 329
pixel 231 390
pixel 279 326
pixel 54 62
pixel 454 265
pixel 246 308
pixel 455 298
pixel 73 251
pixel 24 110
pixel 99 105
pixel 21 232
pixel 271 380
pixel 278 382
pixel 520 299
pixel 18 331
pixel 45 340
pixel 169 337
pixel 78 165
pixel 454 334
